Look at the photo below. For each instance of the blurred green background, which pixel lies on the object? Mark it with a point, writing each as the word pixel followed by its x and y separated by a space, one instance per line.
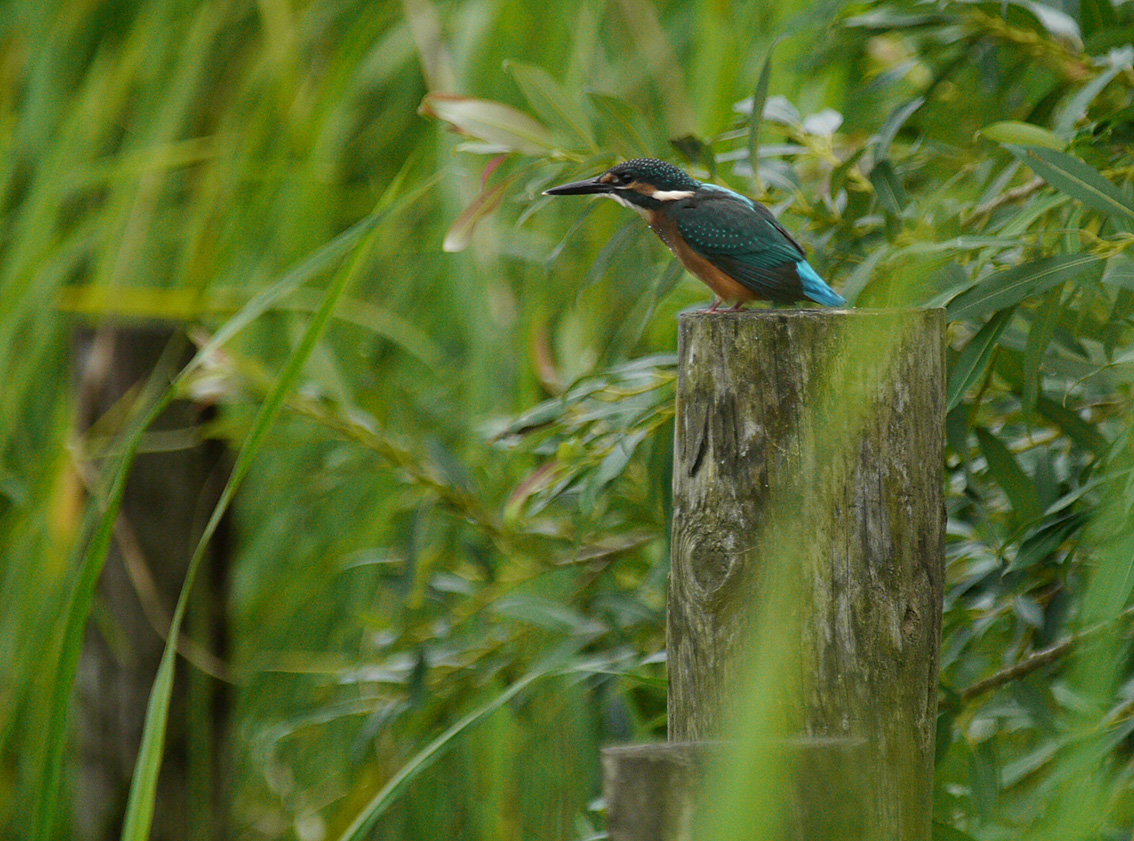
pixel 444 572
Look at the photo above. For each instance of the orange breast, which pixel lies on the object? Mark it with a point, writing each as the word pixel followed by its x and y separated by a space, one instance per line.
pixel 723 286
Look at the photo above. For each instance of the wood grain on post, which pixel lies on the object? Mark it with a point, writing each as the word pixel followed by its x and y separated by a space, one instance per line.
pixel 809 449
pixel 657 792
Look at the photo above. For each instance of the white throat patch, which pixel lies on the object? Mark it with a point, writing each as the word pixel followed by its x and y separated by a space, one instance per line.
pixel 641 211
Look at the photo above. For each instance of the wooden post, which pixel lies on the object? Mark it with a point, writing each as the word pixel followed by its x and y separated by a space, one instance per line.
pixel 169 494
pixel 657 792
pixel 808 468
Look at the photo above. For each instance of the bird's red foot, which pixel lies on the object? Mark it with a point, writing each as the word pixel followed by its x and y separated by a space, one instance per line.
pixel 716 303
pixel 737 307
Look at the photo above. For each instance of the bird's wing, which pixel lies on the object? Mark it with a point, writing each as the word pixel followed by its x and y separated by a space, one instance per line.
pixel 744 240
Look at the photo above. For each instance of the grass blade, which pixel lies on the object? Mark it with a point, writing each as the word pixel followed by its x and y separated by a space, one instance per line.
pixel 78 609
pixel 143 788
pixel 360 827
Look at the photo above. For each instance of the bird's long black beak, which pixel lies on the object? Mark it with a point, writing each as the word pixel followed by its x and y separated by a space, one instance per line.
pixel 580 188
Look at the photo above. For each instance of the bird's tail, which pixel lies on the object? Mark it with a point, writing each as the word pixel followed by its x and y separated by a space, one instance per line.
pixel 815 289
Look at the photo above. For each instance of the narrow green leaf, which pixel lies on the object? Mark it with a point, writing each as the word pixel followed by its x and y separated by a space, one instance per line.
pixel 616 245
pixel 493 122
pixel 696 151
pixel 1045 21
pixel 1075 108
pixel 983 778
pixel 78 610
pixel 1119 272
pixel 538 416
pixel 973 360
pixel 143 787
pixel 1046 538
pixel 1082 432
pixel 143 302
pixel 1022 220
pixel 957 434
pixel 668 279
pixel 893 125
pixel 1006 471
pixel 612 465
pixel 891 194
pixel 1072 225
pixel 626 129
pixel 944 284
pixel 1039 337
pixel 461 232
pixel 756 117
pixel 1079 180
pixel 839 173
pixel 547 613
pixel 887 19
pixel 961 243
pixel 1096 16
pixel 552 103
pixel 1011 286
pixel 323 258
pixel 364 821
pixel 946 730
pixel 1113 553
pixel 1022 134
pixel 863 273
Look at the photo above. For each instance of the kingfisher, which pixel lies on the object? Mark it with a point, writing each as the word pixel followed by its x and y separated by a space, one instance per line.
pixel 733 244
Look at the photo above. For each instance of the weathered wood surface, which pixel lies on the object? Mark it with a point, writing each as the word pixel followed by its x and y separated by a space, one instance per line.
pixel 809 449
pixel 656 792
pixel 652 791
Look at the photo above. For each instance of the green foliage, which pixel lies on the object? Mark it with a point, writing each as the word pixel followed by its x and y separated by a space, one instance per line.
pixel 453 532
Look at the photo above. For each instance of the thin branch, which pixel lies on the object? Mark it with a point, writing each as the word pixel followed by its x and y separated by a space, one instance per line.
pixel 1007 197
pixel 1032 662
pixel 146 589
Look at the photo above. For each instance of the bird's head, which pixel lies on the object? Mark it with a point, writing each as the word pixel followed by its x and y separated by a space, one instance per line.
pixel 643 183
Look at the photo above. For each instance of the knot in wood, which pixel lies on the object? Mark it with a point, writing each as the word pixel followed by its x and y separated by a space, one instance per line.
pixel 714 556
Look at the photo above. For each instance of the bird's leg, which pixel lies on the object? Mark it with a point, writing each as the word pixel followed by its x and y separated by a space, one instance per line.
pixel 716 303
pixel 737 307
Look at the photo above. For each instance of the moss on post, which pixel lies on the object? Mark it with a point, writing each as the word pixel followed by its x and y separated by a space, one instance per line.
pixel 809 451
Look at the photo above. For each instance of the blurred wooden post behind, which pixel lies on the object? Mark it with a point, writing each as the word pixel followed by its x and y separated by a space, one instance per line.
pixel 174 483
pixel 809 518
